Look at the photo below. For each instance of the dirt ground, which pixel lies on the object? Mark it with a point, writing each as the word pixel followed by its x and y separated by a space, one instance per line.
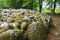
pixel 54 33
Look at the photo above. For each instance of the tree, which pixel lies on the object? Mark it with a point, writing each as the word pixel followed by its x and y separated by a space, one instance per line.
pixel 36 5
pixel 9 3
pixel 19 3
pixel 54 6
pixel 27 4
pixel 58 2
pixel 40 5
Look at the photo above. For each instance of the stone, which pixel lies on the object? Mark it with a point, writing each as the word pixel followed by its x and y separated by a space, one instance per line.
pixel 36 31
pixel 4 25
pixel 23 24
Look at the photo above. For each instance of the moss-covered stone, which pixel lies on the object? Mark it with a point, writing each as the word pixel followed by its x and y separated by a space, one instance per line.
pixel 36 31
pixel 24 24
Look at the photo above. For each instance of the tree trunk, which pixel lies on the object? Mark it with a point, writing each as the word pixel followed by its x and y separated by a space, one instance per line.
pixel 54 6
pixel 51 8
pixel 40 5
pixel 19 4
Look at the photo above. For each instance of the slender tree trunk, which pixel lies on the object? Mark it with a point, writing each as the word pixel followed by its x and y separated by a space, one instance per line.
pixel 40 5
pixel 21 1
pixel 54 6
pixel 51 8
pixel 19 4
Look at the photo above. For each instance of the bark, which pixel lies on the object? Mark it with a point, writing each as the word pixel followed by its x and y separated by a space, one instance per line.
pixel 54 6
pixel 19 4
pixel 40 5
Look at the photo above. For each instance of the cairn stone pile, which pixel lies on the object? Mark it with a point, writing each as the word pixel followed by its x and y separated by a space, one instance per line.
pixel 23 24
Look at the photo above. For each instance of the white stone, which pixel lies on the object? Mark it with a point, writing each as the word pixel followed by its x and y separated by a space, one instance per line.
pixel 10 31
pixel 4 25
pixel 13 24
pixel 26 17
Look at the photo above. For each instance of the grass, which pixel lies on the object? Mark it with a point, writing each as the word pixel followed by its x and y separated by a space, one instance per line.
pixel 48 11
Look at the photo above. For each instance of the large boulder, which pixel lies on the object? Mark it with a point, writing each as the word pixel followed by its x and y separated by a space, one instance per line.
pixel 36 31
pixel 23 24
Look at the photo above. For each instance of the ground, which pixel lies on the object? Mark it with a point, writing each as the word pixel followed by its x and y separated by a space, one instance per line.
pixel 54 33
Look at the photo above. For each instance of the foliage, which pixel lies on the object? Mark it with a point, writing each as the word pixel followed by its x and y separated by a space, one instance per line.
pixel 27 4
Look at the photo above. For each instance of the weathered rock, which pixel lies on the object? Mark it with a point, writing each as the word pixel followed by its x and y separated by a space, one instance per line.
pixel 36 31
pixel 23 24
pixel 10 20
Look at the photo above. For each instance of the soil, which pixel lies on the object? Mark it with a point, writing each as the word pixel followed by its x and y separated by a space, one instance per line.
pixel 54 33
